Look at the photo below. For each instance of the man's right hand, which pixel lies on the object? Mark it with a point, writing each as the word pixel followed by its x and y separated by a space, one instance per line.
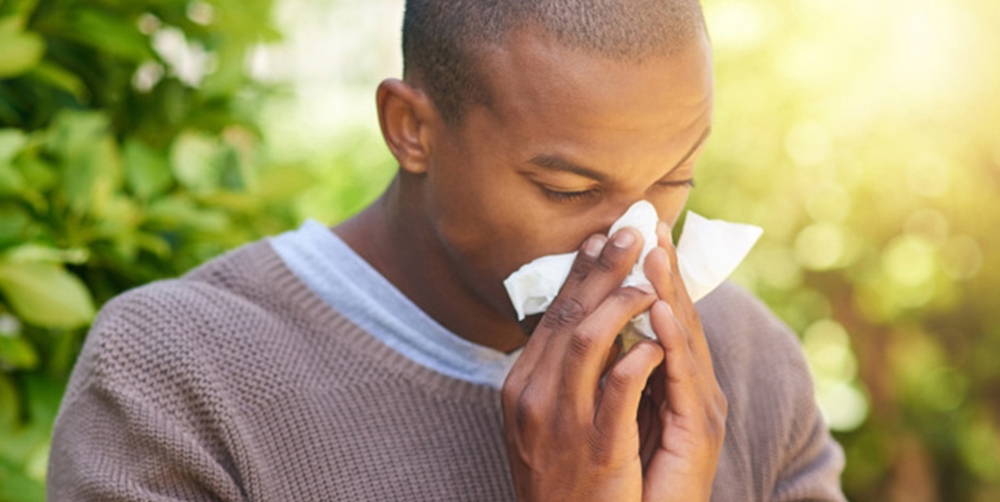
pixel 569 438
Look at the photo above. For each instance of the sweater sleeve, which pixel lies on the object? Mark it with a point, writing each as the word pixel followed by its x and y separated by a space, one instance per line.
pixel 777 448
pixel 811 461
pixel 138 421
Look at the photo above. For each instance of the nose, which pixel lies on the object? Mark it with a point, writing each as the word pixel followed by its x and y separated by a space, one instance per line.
pixel 611 213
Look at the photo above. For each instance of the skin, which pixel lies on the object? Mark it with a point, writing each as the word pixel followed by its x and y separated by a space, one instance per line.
pixel 567 143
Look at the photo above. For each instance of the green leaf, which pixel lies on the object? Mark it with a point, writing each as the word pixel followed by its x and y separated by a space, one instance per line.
pixel 21 442
pixel 11 181
pixel 60 78
pixel 10 403
pixel 147 173
pixel 40 253
pixel 16 486
pixel 73 132
pixel 18 353
pixel 38 174
pixel 12 141
pixel 44 393
pixel 92 169
pixel 283 182
pixel 14 223
pixel 19 8
pixel 46 295
pixel 111 34
pixel 194 160
pixel 20 51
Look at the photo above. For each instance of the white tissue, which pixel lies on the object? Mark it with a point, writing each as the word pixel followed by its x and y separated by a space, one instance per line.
pixel 708 252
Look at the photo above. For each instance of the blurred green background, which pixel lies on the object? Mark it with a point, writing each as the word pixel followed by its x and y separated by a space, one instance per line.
pixel 140 138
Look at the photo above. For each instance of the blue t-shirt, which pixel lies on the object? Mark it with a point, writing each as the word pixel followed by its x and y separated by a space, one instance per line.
pixel 354 288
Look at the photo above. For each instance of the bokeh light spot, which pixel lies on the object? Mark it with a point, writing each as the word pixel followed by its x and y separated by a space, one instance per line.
pixel 929 224
pixel 909 260
pixel 778 267
pixel 930 176
pixel 962 257
pixel 843 405
pixel 828 202
pixel 808 143
pixel 737 25
pixel 820 246
pixel 828 350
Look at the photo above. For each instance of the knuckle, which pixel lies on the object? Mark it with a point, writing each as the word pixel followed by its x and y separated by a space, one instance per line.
pixel 511 390
pixel 628 297
pixel 723 404
pixel 605 264
pixel 565 312
pixel 528 410
pixel 691 369
pixel 621 378
pixel 611 259
pixel 582 266
pixel 599 451
pixel 582 342
pixel 622 296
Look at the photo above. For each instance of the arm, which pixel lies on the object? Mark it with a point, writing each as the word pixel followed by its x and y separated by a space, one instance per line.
pixel 780 450
pixel 812 462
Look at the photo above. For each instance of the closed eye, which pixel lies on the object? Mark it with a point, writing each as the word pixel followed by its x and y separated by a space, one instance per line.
pixel 559 196
pixel 679 183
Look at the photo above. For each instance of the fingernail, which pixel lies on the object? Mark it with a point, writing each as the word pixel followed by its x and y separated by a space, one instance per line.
pixel 594 245
pixel 645 288
pixel 663 228
pixel 623 239
pixel 660 304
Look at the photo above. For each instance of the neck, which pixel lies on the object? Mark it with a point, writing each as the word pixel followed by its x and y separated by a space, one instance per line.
pixel 394 238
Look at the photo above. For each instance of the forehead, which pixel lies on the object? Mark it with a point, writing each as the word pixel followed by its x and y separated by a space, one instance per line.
pixel 534 79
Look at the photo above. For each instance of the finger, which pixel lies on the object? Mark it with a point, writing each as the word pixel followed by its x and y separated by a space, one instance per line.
pixel 682 299
pixel 613 355
pixel 670 287
pixel 594 338
pixel 660 274
pixel 598 269
pixel 585 260
pixel 617 412
pixel 681 370
pixel 594 279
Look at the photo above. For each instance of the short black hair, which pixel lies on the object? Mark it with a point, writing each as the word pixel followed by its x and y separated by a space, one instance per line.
pixel 441 37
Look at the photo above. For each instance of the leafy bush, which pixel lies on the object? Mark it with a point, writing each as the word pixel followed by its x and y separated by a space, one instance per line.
pixel 128 153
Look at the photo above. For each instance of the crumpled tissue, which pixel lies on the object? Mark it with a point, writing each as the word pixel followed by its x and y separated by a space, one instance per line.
pixel 707 253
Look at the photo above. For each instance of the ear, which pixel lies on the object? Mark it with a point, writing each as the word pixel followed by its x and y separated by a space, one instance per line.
pixel 405 115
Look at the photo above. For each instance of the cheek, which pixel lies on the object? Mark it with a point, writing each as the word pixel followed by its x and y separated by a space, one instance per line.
pixel 483 217
pixel 670 205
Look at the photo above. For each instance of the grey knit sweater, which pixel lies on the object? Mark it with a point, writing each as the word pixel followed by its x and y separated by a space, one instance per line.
pixel 236 382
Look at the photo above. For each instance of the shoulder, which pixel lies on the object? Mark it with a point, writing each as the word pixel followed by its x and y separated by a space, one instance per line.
pixel 184 336
pixel 744 334
pixel 759 363
pixel 776 439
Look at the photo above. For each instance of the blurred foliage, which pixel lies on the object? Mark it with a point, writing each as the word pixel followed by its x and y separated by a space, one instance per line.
pixel 865 138
pixel 128 152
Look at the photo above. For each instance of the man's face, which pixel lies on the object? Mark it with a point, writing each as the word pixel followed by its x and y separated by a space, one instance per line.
pixel 568 143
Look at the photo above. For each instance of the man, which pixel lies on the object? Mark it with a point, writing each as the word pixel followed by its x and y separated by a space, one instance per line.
pixel 383 360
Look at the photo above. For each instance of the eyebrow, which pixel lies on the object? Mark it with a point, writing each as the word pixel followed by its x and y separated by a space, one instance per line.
pixel 697 144
pixel 556 163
